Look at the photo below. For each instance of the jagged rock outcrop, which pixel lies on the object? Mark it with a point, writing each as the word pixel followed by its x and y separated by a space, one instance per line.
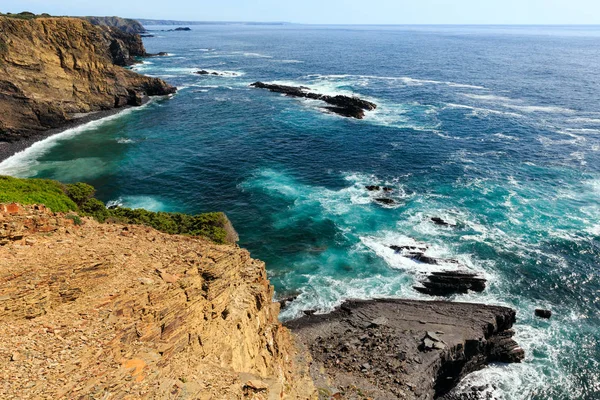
pixel 124 24
pixel 351 107
pixel 402 349
pixel 125 312
pixel 446 283
pixel 54 69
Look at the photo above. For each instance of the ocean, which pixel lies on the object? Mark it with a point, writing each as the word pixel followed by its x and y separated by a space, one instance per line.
pixel 495 129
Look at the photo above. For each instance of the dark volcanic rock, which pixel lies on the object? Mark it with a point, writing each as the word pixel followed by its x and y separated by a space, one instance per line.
pixel 451 282
pixel 392 349
pixel 441 222
pixel 351 107
pixel 546 314
pixel 385 200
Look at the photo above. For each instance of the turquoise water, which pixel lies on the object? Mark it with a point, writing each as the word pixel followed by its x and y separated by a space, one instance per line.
pixel 494 128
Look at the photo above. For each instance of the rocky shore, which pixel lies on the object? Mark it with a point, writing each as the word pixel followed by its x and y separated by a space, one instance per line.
pixel 402 349
pixel 48 77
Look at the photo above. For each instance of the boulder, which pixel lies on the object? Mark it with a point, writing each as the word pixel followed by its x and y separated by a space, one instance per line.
pixel 545 314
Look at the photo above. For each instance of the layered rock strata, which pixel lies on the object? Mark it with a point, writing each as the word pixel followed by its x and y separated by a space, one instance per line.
pixel 402 349
pixel 125 312
pixel 53 70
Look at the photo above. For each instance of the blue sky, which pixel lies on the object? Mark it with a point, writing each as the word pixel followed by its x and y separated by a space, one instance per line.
pixel 330 11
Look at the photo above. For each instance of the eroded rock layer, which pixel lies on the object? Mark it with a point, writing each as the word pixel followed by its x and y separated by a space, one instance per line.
pixel 54 69
pixel 125 312
pixel 402 349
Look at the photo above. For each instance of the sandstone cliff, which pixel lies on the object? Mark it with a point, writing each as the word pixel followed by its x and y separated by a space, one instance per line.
pixel 126 312
pixel 54 69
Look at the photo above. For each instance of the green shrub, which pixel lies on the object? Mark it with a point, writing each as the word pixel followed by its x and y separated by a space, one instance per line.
pixel 80 193
pixel 35 191
pixel 75 218
pixel 95 208
pixel 79 197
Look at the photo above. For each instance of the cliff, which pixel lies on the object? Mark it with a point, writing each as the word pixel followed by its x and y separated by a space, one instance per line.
pixel 126 312
pixel 124 24
pixel 54 69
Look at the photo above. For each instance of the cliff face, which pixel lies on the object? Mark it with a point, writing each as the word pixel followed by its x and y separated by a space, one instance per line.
pixel 124 24
pixel 112 311
pixel 52 69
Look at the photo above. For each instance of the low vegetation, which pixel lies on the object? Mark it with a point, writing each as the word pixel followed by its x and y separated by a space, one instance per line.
pixel 24 15
pixel 79 198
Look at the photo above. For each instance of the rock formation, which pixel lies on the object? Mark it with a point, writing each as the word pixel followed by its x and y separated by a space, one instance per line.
pixel 54 69
pixel 112 311
pixel 346 106
pixel 124 24
pixel 401 349
pixel 451 282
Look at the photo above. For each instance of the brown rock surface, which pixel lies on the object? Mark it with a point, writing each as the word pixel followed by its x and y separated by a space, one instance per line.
pixel 86 312
pixel 54 69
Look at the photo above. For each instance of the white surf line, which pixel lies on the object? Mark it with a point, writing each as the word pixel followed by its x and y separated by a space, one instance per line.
pixel 21 161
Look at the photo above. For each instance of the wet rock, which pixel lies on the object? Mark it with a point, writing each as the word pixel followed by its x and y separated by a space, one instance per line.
pixel 385 200
pixel 373 188
pixel 451 282
pixel 181 29
pixel 352 107
pixel 439 221
pixel 545 314
pixel 285 302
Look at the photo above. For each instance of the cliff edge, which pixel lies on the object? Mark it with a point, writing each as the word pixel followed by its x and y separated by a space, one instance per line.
pixel 53 70
pixel 126 312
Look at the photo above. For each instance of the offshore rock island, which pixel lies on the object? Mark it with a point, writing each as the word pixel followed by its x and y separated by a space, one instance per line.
pixel 120 303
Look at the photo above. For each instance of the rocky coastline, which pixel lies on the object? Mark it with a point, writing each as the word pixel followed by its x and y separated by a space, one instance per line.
pixel 135 312
pixel 48 79
pixel 402 349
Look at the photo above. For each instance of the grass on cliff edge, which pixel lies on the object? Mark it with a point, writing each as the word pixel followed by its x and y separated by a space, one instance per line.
pixel 79 197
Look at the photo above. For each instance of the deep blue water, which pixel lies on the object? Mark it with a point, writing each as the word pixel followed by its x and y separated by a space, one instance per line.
pixel 494 128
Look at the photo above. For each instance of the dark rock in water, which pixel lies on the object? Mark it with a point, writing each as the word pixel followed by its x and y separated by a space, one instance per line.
pixel 346 106
pixel 385 200
pixel 146 36
pixel 546 314
pixel 451 282
pixel 284 302
pixel 440 222
pixel 421 351
pixel 205 72
pixel 185 29
pixel 406 248
pixel 377 188
pixel 163 54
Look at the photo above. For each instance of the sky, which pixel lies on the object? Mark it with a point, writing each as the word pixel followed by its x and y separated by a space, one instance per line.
pixel 329 11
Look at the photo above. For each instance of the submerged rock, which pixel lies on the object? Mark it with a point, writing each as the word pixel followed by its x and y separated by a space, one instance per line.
pixel 421 351
pixel 352 107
